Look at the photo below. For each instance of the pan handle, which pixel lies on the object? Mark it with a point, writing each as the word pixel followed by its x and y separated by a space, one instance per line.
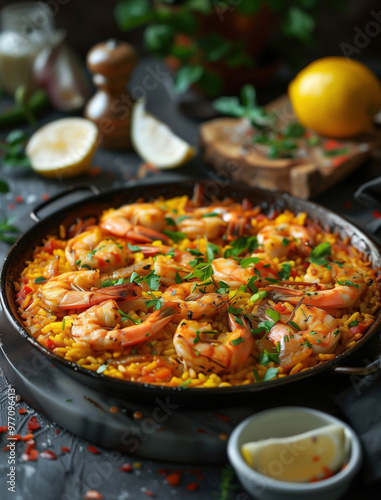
pixel 84 187
pixel 362 370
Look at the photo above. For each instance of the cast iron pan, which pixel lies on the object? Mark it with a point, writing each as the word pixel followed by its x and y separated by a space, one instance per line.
pixel 94 205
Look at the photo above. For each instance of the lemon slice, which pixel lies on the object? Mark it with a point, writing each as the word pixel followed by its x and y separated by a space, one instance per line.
pixel 305 457
pixel 63 148
pixel 155 142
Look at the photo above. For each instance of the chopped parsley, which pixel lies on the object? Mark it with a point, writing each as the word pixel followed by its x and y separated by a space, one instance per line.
pixel 270 374
pixel 40 279
pixel 102 368
pixel 202 270
pixel 127 316
pixel 134 248
pixel 285 272
pixel 258 296
pixel 348 283
pixel 178 279
pixel 211 251
pixel 274 315
pixel 294 325
pixel 238 341
pixel 250 260
pixel 63 324
pixel 211 214
pixel 353 323
pixel 175 236
pixel 170 222
pixel 320 253
pixel 266 357
pixel 285 242
pixel 240 245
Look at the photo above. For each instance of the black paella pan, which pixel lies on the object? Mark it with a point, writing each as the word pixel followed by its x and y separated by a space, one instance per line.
pixel 22 251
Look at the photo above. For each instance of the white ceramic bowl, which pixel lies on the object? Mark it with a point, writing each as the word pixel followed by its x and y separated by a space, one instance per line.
pixel 283 422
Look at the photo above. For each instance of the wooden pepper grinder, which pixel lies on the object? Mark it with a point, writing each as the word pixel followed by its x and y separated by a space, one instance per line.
pixel 111 63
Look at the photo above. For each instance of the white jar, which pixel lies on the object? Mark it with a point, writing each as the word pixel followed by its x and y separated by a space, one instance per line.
pixel 26 28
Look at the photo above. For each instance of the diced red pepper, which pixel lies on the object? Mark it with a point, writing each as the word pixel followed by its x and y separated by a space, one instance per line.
pixel 21 295
pixel 48 455
pixel 51 245
pixel 19 199
pixel 51 345
pixel 31 456
pixel 126 468
pixel 33 424
pixel 22 411
pixel 332 144
pixel 280 308
pixel 15 437
pixel 92 449
pixel 260 217
pixel 192 486
pixel 65 449
pixel 223 417
pixel 376 214
pixel 92 494
pixel 3 429
pixel 361 327
pixel 174 478
pixel 27 437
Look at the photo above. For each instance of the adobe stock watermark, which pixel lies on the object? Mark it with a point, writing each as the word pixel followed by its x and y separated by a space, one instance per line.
pixel 11 422
pixel 364 36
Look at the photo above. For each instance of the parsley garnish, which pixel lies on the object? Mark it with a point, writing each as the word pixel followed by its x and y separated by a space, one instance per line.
pixel 285 272
pixel 320 253
pixel 178 279
pixel 240 245
pixel 238 341
pixel 211 214
pixel 270 374
pixel 175 236
pixel 170 222
pixel 133 248
pixel 152 280
pixel 202 270
pixel 250 260
pixel 294 325
pixel 274 315
pixel 211 251
pixel 353 323
pixel 40 279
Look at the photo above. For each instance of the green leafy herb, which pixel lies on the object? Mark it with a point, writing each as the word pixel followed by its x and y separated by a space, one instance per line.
pixel 133 248
pixel 102 368
pixel 127 316
pixel 240 245
pixel 85 266
pixel 256 376
pixel 210 214
pixel 347 283
pixel 294 325
pixel 320 253
pixel 178 279
pixel 250 260
pixel 285 242
pixel 293 130
pixel 152 280
pixel 63 324
pixel 203 271
pixel 194 251
pixel 306 343
pixel 13 147
pixel 353 323
pixel 238 341
pixel 251 284
pixel 266 357
pixel 285 272
pixel 270 374
pixel 212 251
pixel 175 236
pixel 40 279
pixel 274 315
pixel 183 217
pixel 170 222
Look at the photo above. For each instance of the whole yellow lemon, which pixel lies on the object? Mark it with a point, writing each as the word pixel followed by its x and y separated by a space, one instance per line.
pixel 335 96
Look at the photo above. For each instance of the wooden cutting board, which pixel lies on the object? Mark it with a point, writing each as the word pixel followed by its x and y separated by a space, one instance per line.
pixel 226 144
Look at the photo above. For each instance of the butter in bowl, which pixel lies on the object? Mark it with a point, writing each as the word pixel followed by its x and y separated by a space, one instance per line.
pixel 294 453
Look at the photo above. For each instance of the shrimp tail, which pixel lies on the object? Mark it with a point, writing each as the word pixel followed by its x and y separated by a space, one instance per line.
pixel 81 300
pixel 280 293
pixel 150 327
pixel 147 235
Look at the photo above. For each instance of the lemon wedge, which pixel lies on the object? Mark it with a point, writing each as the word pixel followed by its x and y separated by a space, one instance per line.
pixel 155 142
pixel 313 455
pixel 63 148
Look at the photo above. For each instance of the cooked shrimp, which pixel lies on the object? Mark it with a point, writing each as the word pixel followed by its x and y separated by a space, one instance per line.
pixel 167 266
pixel 234 275
pixel 211 227
pixel 78 290
pixel 280 240
pixel 139 221
pixel 348 286
pixel 93 249
pixel 194 305
pixel 319 333
pixel 100 327
pixel 143 268
pixel 203 349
